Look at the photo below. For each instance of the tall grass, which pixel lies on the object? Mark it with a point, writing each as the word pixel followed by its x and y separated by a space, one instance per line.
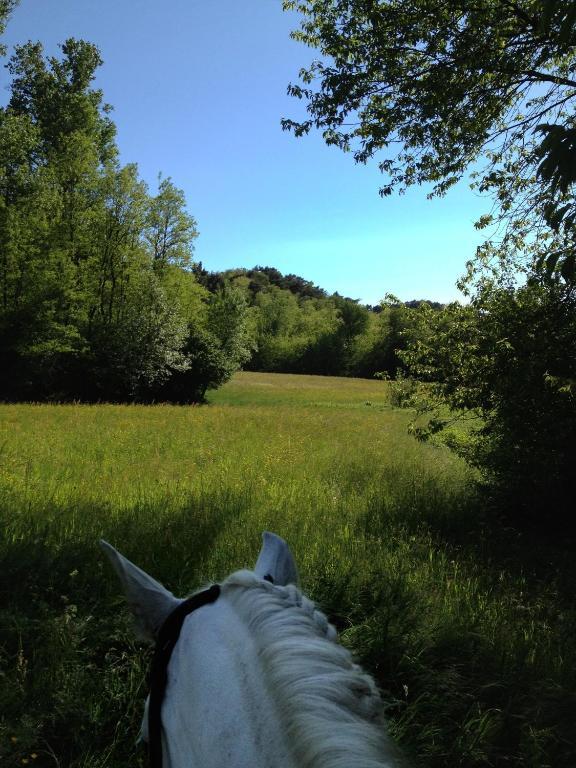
pixel 468 629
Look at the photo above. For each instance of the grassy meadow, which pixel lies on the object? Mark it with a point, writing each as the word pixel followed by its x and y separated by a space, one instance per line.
pixel 469 628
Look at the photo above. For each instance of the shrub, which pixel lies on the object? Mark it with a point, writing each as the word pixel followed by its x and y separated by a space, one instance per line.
pixel 510 359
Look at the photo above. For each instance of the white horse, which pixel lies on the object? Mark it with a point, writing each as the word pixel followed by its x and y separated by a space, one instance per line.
pixel 256 678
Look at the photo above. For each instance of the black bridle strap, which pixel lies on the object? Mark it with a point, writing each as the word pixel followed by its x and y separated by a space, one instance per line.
pixel 167 639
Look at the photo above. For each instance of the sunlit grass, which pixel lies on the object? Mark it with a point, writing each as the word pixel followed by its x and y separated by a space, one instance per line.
pixel 471 639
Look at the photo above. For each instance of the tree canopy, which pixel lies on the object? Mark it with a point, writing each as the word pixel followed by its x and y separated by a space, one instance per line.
pixel 430 87
pixel 6 8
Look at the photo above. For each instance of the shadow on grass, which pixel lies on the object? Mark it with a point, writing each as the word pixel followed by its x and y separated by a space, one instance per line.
pixel 72 677
pixel 478 656
pixel 473 526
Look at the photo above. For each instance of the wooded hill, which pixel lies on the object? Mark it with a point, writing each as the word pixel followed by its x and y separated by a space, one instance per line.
pixel 296 327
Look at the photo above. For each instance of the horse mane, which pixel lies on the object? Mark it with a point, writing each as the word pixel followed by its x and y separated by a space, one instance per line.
pixel 330 709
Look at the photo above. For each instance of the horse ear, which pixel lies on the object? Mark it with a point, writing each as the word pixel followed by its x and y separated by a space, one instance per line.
pixel 149 601
pixel 275 561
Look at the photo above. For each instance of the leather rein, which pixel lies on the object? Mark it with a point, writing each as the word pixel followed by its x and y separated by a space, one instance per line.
pixel 167 639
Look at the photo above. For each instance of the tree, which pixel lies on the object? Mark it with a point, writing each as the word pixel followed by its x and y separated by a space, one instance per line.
pixel 170 231
pixel 40 303
pixel 97 294
pixel 353 322
pixel 75 135
pixel 434 86
pixel 56 94
pixel 393 328
pixel 55 140
pixel 215 348
pixel 279 338
pixel 6 8
pixel 506 364
pixel 228 322
pixel 133 356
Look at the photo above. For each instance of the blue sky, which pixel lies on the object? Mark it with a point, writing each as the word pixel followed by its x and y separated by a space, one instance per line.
pixel 198 90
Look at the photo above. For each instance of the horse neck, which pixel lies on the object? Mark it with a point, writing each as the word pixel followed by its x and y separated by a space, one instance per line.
pixel 218 711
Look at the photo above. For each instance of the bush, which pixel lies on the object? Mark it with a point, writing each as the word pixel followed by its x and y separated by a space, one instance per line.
pixel 510 358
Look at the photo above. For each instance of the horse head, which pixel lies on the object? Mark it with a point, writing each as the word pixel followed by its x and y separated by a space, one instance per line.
pixel 248 674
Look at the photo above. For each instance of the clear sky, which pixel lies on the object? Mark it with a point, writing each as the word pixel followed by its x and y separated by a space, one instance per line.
pixel 198 89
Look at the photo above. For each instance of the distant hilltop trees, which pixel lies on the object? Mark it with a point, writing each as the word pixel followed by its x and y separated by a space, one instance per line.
pixel 297 327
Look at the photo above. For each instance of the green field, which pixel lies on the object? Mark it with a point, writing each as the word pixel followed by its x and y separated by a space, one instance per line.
pixel 469 628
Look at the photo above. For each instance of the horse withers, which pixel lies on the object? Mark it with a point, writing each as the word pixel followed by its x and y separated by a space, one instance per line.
pixel 249 674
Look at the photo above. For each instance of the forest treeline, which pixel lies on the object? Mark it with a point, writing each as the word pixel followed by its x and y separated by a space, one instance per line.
pixel 296 327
